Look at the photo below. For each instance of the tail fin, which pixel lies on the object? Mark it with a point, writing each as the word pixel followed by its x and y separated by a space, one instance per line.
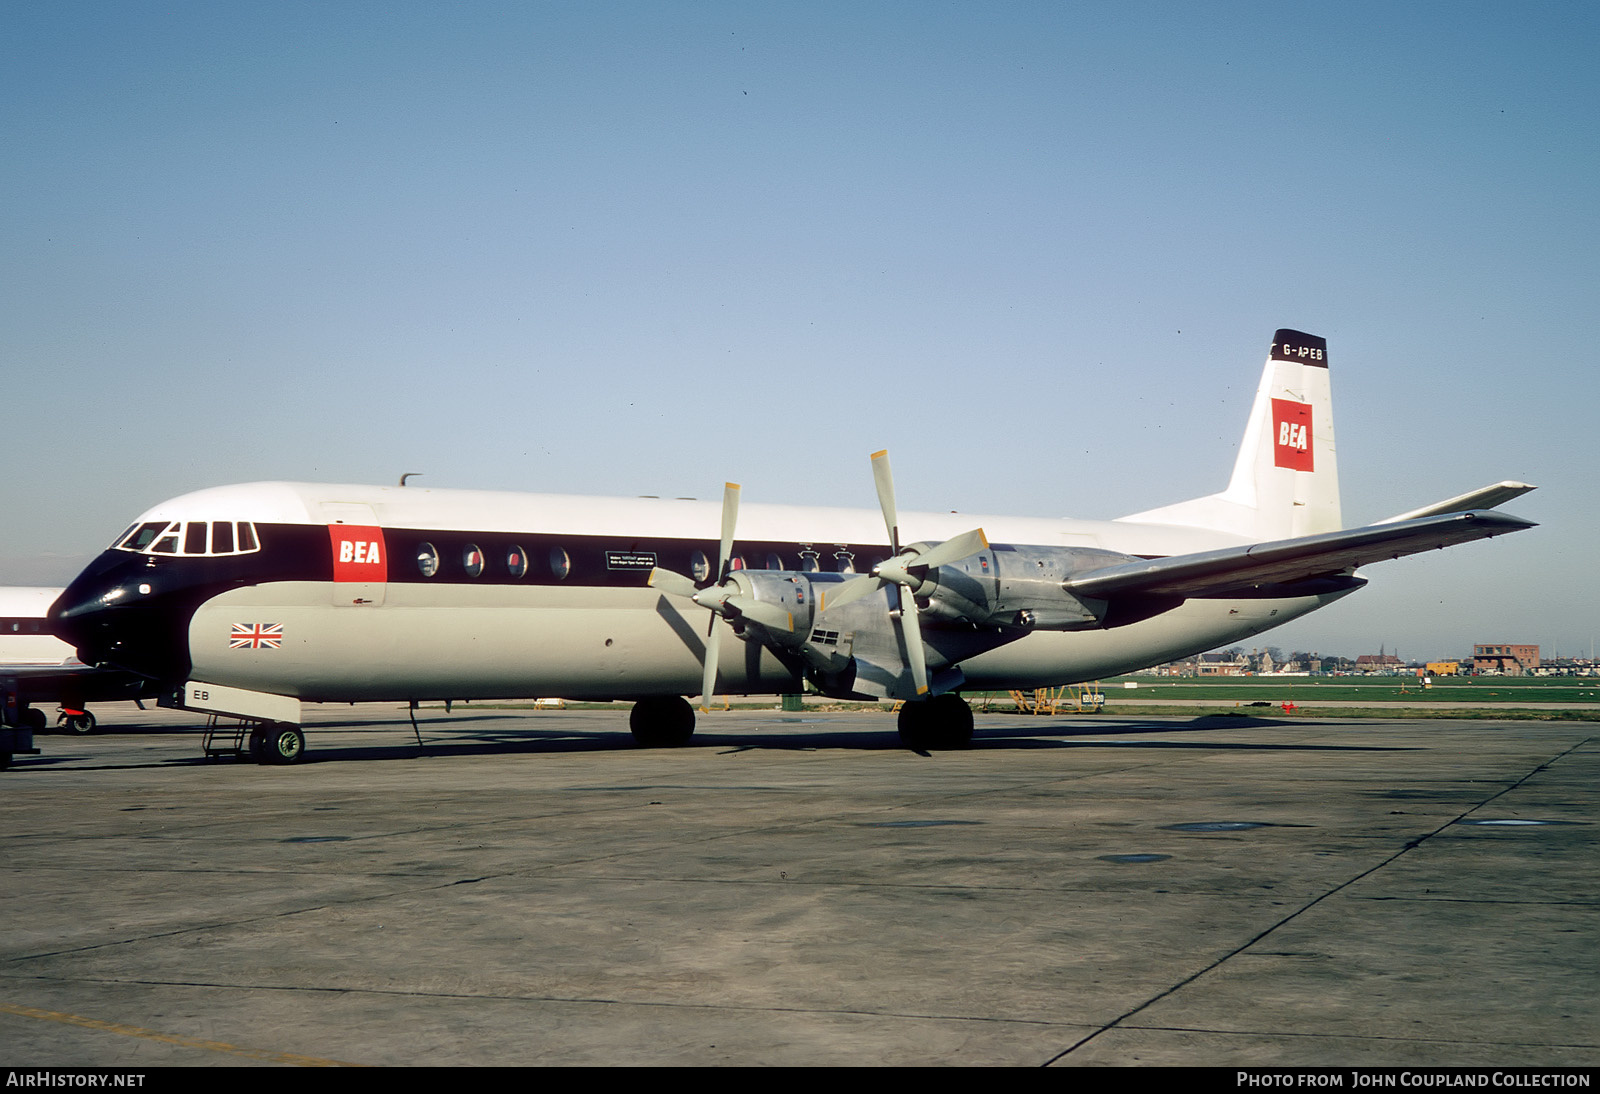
pixel 1286 479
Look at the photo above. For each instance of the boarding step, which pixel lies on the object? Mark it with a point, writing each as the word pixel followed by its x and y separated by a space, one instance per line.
pixel 228 735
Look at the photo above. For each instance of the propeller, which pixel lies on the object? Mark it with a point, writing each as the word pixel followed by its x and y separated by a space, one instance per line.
pixel 904 570
pixel 721 596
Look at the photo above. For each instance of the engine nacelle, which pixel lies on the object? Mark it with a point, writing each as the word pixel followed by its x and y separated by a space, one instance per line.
pixel 792 592
pixel 1016 586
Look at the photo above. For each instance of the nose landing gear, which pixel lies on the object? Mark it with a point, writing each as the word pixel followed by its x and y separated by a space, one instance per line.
pixel 277 743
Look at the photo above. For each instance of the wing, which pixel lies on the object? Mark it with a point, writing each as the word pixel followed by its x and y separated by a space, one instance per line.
pixel 1486 497
pixel 1211 573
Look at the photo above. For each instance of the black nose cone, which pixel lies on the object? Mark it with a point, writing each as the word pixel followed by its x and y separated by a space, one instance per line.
pixel 117 614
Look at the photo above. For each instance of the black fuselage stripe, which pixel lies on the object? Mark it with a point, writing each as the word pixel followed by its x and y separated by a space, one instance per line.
pixel 302 552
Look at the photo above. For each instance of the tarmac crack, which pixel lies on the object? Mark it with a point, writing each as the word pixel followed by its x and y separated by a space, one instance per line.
pixel 1121 1021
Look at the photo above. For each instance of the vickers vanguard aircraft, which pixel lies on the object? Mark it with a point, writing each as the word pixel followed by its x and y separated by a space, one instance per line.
pixel 251 600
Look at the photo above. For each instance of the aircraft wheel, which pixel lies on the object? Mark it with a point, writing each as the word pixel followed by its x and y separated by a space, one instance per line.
pixel 282 743
pixel 662 723
pixel 33 718
pixel 941 723
pixel 80 724
pixel 5 760
pixel 913 723
pixel 258 744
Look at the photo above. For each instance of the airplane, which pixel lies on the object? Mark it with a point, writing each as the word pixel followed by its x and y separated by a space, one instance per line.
pixel 37 667
pixel 252 600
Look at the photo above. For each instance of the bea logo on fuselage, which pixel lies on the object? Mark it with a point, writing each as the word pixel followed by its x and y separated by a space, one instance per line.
pixel 1291 426
pixel 359 553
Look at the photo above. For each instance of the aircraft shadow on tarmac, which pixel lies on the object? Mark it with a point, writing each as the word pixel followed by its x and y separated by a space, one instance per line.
pixel 474 734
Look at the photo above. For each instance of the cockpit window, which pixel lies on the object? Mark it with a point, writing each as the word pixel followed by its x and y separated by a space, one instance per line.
pixel 140 538
pixel 199 537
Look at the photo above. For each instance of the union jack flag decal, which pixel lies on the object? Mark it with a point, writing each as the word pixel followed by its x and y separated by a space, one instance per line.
pixel 256 636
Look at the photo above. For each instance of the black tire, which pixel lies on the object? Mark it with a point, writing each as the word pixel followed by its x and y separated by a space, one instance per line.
pixel 258 744
pixel 33 718
pixel 5 760
pixel 283 743
pixel 953 721
pixel 913 725
pixel 662 723
pixel 80 724
pixel 943 723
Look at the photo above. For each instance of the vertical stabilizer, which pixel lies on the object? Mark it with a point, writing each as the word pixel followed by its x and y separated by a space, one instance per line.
pixel 1286 478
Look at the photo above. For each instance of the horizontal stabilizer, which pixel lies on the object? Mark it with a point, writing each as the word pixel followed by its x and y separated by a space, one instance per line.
pixel 1486 497
pixel 1213 572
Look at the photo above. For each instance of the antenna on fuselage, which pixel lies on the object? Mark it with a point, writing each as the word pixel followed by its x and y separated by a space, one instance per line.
pixel 409 475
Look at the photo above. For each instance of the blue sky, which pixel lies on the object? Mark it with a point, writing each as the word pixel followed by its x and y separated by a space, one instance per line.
pixel 1036 250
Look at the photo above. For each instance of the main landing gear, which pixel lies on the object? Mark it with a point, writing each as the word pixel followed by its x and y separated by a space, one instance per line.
pixel 938 724
pixel 663 722
pixel 941 723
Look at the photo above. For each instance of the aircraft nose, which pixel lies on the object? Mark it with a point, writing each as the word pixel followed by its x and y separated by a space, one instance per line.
pixel 118 619
pixel 78 605
pixel 83 614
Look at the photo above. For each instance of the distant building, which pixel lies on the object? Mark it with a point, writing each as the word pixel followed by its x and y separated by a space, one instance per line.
pixel 1506 660
pixel 1219 664
pixel 1378 662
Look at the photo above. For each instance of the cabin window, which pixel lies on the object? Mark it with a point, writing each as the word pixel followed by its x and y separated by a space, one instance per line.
pixel 194 538
pixel 699 566
pixel 774 562
pixel 166 545
pixel 560 564
pixel 472 560
pixel 517 563
pixel 247 536
pixel 427 560
pixel 222 537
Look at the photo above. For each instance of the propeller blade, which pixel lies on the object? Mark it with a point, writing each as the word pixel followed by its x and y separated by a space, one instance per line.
pixel 674 583
pixel 883 479
pixel 952 550
pixel 730 518
pixel 911 631
pixel 769 616
pixel 708 681
pixel 847 591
